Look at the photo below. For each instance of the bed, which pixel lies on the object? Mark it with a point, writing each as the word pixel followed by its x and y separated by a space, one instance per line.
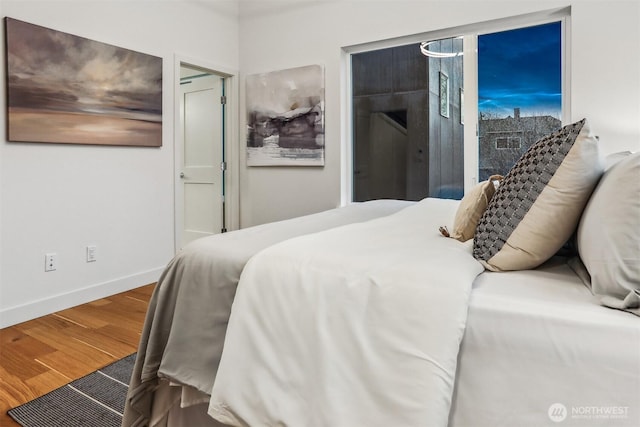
pixel 367 315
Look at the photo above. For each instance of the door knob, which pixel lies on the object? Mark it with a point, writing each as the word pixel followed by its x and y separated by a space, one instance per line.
pixel 181 174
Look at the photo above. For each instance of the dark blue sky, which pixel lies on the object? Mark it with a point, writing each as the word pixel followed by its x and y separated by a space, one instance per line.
pixel 520 69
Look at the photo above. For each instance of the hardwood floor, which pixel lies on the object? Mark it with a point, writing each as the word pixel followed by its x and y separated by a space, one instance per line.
pixel 43 354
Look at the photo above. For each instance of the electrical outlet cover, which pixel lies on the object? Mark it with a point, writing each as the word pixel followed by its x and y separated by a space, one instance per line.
pixel 91 253
pixel 50 262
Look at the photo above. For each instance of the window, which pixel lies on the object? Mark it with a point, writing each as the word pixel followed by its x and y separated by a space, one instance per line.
pixel 519 92
pixel 509 74
pixel 407 123
pixel 503 143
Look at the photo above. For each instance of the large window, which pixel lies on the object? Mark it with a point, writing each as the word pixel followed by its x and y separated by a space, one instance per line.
pixel 435 113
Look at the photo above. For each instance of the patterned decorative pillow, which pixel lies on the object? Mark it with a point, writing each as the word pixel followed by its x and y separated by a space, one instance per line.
pixel 538 204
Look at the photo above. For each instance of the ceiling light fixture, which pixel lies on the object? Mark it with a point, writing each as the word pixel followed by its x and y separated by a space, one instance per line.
pixel 424 48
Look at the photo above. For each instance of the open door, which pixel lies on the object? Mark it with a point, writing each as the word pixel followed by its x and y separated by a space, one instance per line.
pixel 200 193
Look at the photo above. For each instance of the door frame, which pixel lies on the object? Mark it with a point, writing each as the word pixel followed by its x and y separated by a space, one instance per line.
pixel 232 175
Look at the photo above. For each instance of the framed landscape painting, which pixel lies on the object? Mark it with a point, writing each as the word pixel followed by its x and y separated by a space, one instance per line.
pixel 285 117
pixel 67 89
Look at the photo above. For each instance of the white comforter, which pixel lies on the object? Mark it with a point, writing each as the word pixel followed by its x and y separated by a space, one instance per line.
pixel 356 326
pixel 186 322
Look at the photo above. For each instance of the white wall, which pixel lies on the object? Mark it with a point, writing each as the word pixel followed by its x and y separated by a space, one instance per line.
pixel 605 74
pixel 60 198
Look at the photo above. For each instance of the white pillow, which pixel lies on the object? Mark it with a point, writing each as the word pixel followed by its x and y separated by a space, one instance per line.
pixel 614 158
pixel 608 236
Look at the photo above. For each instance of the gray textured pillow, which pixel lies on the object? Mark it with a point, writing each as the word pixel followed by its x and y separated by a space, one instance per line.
pixel 609 236
pixel 538 204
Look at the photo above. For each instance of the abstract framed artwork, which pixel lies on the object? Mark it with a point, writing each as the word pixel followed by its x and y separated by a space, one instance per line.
pixel 285 117
pixel 66 89
pixel 444 95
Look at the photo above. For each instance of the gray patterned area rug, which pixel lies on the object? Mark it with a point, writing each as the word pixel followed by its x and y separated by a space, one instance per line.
pixel 95 400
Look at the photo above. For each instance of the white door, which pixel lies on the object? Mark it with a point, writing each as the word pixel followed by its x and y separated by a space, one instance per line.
pixel 200 192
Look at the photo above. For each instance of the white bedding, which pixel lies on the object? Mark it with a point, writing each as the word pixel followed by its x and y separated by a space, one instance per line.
pixel 186 322
pixel 537 338
pixel 356 326
pixel 533 338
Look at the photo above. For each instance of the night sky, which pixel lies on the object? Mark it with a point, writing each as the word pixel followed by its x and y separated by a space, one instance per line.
pixel 520 69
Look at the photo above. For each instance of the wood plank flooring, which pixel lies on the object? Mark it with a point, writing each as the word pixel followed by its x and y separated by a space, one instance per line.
pixel 43 354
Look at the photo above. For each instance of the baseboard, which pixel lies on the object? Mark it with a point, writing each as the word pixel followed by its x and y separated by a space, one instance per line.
pixel 14 315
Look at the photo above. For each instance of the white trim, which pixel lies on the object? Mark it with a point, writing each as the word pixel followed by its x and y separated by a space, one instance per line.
pixel 470 33
pixel 566 69
pixel 470 83
pixel 346 159
pixel 18 314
